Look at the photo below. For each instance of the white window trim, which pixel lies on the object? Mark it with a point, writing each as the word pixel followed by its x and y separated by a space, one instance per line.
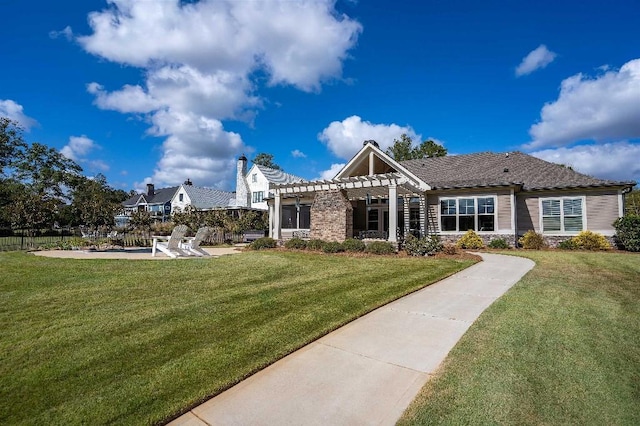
pixel 562 232
pixel 475 197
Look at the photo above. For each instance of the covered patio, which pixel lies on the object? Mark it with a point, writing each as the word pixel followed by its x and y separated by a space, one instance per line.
pixel 382 206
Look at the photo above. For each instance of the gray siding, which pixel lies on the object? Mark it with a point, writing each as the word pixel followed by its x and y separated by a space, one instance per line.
pixel 504 211
pixel 602 211
pixel 527 213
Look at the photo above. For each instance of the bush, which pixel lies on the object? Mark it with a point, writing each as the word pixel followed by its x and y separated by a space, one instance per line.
pixel 499 243
pixel 532 240
pixel 332 247
pixel 587 240
pixel 353 245
pixel 380 247
pixel 315 245
pixel 263 243
pixel 628 232
pixel 568 245
pixel 450 249
pixel 296 244
pixel 470 240
pixel 426 246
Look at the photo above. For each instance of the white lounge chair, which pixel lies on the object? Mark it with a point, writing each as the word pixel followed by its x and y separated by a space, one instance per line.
pixel 193 246
pixel 172 245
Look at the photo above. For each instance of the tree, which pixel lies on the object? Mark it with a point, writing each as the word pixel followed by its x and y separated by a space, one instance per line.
pixel 632 203
pixel 12 145
pixel 264 159
pixel 95 203
pixel 403 149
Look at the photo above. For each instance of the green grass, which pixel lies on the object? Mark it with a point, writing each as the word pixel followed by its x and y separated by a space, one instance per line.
pixel 561 347
pixel 137 342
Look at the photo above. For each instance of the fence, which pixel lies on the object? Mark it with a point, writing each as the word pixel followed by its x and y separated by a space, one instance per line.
pixel 26 242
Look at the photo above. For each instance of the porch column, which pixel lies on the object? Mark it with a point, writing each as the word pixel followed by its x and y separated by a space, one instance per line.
pixel 277 212
pixel 423 215
pixel 407 214
pixel 270 207
pixel 393 213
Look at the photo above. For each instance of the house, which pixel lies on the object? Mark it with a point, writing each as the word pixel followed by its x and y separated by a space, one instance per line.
pixel 200 198
pixel 156 202
pixel 252 187
pixel 496 195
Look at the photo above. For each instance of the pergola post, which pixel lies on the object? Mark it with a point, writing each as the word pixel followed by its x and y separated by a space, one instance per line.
pixel 393 213
pixel 407 214
pixel 277 213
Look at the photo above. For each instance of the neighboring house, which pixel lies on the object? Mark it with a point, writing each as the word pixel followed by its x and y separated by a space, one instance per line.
pixel 156 202
pixel 496 195
pixel 252 187
pixel 200 198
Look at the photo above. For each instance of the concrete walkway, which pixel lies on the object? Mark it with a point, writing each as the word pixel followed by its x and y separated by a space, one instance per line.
pixel 369 371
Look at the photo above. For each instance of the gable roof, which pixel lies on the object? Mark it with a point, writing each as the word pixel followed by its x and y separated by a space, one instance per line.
pixel 500 169
pixel 160 196
pixel 277 176
pixel 207 198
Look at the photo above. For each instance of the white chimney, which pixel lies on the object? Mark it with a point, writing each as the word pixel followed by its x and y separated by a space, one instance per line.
pixel 242 188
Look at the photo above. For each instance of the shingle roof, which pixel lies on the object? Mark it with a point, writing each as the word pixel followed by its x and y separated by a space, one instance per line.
pixel 160 196
pixel 278 176
pixel 207 198
pixel 491 169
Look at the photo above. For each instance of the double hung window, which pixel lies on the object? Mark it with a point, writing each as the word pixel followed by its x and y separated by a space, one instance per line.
pixel 562 215
pixel 258 196
pixel 464 213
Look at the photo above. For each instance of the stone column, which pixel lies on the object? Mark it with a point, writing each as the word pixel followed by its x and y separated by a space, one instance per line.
pixel 393 213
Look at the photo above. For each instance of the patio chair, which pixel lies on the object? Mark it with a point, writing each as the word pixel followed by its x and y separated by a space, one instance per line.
pixel 193 246
pixel 172 244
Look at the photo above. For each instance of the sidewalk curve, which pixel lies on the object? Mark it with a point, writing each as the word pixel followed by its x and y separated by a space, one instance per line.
pixel 367 372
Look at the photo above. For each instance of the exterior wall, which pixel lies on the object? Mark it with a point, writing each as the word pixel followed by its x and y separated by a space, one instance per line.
pixel 503 225
pixel 331 217
pixel 261 184
pixel 601 208
pixel 242 190
pixel 176 204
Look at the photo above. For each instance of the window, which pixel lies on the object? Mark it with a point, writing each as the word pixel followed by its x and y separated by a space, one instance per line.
pixel 292 216
pixel 560 215
pixel 254 177
pixel 258 196
pixel 372 219
pixel 181 197
pixel 465 213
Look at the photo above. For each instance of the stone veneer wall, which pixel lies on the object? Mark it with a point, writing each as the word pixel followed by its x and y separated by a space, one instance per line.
pixel 509 238
pixel 331 216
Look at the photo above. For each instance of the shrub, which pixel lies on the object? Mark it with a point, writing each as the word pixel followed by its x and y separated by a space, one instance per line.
pixel 450 249
pixel 332 247
pixel 353 245
pixel 380 247
pixel 532 240
pixel 587 240
pixel 263 243
pixel 296 244
pixel 568 245
pixel 426 246
pixel 628 232
pixel 315 245
pixel 499 243
pixel 470 240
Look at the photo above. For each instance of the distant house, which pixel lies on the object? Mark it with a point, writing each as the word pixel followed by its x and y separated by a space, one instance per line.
pixel 497 195
pixel 156 202
pixel 200 198
pixel 252 187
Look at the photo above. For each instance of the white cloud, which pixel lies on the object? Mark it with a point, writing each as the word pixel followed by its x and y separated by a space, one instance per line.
pixel 78 147
pixel 538 58
pixel 14 111
pixel 615 161
pixel 344 138
pixel 199 60
pixel 296 153
pixel 602 109
pixel 333 170
pixel 66 32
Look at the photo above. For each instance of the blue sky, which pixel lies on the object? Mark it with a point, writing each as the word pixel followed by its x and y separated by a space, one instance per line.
pixel 161 91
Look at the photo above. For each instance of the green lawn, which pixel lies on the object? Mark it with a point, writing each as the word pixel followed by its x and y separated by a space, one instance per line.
pixel 135 342
pixel 561 347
